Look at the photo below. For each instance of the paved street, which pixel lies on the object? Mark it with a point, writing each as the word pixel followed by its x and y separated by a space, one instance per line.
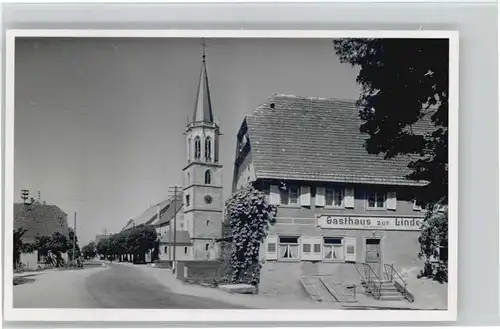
pixel 117 286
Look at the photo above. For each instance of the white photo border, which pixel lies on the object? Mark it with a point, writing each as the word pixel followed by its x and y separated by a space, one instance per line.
pixel 233 315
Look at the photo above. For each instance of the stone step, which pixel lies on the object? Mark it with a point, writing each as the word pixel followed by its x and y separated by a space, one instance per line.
pixel 392 297
pixel 390 293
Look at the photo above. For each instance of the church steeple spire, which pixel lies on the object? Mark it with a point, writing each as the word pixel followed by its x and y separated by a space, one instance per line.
pixel 203 108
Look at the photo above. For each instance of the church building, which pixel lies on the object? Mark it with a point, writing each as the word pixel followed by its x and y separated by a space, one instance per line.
pixel 198 208
pixel 202 205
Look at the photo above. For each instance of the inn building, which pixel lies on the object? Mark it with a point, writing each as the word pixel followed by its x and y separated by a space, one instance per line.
pixel 337 204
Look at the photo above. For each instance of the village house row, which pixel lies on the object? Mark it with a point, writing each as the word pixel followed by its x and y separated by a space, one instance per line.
pixel 337 204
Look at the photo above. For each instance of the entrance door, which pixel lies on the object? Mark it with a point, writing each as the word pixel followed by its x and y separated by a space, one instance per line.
pixel 373 255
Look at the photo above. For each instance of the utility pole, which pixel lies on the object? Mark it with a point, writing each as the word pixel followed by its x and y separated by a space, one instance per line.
pixel 74 238
pixel 175 189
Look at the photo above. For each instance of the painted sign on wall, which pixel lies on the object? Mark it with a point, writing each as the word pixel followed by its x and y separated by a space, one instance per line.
pixel 369 223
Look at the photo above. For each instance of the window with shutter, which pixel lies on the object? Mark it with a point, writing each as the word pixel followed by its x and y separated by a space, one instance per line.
pixel 305 196
pixel 350 249
pixel 349 197
pixel 311 248
pixel 288 247
pixel 333 249
pixel 274 197
pixel 375 199
pixel 391 200
pixel 293 197
pixel 320 196
pixel 271 248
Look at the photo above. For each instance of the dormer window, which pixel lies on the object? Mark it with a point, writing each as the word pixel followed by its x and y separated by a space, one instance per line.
pixel 208 149
pixel 197 148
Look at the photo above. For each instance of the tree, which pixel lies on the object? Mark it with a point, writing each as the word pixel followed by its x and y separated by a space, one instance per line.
pixel 18 245
pixel 433 243
pixel 89 251
pixel 249 216
pixel 42 244
pixel 102 247
pixel 404 106
pixel 404 83
pixel 58 245
pixel 71 235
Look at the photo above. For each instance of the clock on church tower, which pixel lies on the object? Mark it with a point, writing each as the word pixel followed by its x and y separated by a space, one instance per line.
pixel 202 190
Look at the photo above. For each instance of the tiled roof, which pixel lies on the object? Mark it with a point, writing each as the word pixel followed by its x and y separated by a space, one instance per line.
pixel 317 139
pixel 181 237
pixel 149 216
pixel 39 220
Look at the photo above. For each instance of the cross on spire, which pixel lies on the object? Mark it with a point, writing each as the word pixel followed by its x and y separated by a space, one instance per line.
pixel 203 108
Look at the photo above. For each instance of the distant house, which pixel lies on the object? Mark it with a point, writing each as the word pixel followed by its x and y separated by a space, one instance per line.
pixel 160 216
pixel 38 220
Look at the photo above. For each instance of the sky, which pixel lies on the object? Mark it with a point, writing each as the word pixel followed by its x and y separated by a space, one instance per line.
pixel 99 122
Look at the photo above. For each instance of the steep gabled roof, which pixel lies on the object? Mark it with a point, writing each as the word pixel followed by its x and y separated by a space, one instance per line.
pixel 317 139
pixel 203 108
pixel 39 220
pixel 149 216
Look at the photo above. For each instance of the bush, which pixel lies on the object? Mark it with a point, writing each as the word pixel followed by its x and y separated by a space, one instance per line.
pixel 434 243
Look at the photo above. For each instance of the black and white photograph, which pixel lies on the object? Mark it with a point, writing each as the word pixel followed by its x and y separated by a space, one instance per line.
pixel 217 172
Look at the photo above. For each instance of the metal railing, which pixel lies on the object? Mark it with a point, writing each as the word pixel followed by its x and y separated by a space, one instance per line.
pixel 393 275
pixel 372 280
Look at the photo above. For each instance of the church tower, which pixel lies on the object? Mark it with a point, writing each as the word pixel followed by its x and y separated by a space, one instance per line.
pixel 202 190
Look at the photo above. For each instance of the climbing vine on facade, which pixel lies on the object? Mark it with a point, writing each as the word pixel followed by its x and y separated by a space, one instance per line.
pixel 249 215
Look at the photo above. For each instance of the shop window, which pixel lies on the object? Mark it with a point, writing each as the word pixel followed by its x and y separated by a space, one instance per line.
pixel 288 247
pixel 333 249
pixel 334 197
pixel 375 199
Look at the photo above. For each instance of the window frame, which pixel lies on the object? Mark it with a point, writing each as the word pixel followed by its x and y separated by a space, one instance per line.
pixel 297 200
pixel 335 190
pixel 288 245
pixel 208 174
pixel 208 148
pixel 340 246
pixel 376 194
pixel 197 148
